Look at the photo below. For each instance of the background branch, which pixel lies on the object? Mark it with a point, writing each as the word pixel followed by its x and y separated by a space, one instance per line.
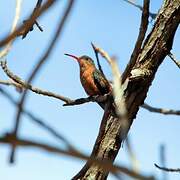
pixel 30 27
pixel 19 83
pixel 5 51
pixel 9 139
pixel 36 120
pixel 38 13
pixel 152 15
pixel 42 60
pixel 11 83
pixel 97 58
pixel 167 169
pixel 160 110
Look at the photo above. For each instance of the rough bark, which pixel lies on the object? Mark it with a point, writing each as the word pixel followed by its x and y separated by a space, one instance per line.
pixel 157 45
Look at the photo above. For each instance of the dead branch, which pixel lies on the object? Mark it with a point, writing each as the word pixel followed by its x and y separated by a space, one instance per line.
pixel 156 47
pixel 95 98
pixel 5 51
pixel 42 60
pixel 97 58
pixel 167 169
pixel 10 139
pixel 38 13
pixel 11 83
pixel 152 15
pixel 30 25
pixel 160 110
pixel 139 42
pixel 19 83
pixel 37 120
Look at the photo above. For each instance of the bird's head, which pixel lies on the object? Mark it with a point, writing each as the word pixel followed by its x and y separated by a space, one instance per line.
pixel 84 61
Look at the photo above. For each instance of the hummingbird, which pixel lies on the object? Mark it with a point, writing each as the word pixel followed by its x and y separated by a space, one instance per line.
pixel 93 81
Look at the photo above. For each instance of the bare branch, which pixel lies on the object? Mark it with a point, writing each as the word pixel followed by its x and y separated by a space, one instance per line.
pixel 29 28
pixel 10 139
pixel 157 46
pixel 152 15
pixel 139 42
pixel 5 51
pixel 19 83
pixel 37 120
pixel 42 60
pixel 161 110
pixel 13 35
pixel 167 169
pixel 97 58
pixel 12 83
pixel 96 98
pixel 103 53
pixel 174 59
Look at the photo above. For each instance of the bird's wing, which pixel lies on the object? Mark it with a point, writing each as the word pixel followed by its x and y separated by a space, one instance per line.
pixel 101 82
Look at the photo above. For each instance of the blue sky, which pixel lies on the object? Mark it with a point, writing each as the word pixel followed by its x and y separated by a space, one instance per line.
pixel 114 26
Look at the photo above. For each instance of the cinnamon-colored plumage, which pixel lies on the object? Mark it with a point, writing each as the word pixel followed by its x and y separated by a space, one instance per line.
pixel 92 80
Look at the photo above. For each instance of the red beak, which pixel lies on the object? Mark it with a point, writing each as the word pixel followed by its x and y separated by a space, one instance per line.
pixel 75 57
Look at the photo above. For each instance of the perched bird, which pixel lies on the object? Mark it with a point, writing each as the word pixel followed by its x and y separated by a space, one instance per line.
pixel 92 80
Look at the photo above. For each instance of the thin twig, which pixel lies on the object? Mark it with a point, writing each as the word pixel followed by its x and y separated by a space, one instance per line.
pixel 174 59
pixel 38 13
pixel 97 58
pixel 139 42
pixel 42 60
pixel 152 15
pixel 161 110
pixel 19 83
pixel 106 165
pixel 12 83
pixel 167 169
pixel 26 22
pixel 96 98
pixel 5 51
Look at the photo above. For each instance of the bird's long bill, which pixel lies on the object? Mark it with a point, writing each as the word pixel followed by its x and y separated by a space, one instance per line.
pixel 74 57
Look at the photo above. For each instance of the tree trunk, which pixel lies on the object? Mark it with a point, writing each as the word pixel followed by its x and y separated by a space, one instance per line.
pixel 157 45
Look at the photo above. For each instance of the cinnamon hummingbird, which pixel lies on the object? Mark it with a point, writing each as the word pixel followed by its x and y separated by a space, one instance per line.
pixel 92 80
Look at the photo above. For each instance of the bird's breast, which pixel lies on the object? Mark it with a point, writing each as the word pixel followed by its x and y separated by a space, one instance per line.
pixel 87 81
